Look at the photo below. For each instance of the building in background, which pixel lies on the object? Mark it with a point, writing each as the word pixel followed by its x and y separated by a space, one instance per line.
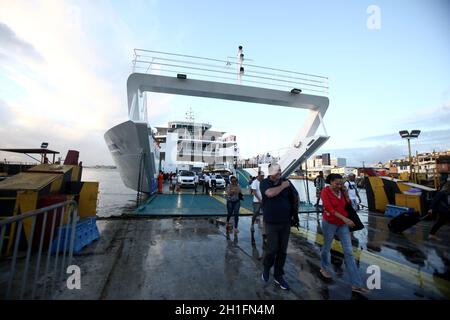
pixel 324 162
pixel 426 166
pixel 326 159
pixel 338 162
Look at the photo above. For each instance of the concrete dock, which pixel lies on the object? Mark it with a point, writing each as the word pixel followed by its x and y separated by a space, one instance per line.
pixel 144 257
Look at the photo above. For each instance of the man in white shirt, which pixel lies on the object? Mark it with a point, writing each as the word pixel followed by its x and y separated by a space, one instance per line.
pixel 257 200
pixel 195 182
pixel 174 181
pixel 352 190
pixel 206 183
pixel 213 182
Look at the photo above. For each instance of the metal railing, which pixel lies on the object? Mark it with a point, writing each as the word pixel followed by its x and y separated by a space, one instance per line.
pixel 201 68
pixel 25 239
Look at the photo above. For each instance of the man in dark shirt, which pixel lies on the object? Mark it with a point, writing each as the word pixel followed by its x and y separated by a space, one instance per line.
pixel 319 183
pixel 277 195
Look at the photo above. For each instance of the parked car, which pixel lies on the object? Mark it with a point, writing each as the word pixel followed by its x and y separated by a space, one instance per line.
pixel 186 179
pixel 220 182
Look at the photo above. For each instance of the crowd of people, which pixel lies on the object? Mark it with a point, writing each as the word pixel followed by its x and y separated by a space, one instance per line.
pixel 276 201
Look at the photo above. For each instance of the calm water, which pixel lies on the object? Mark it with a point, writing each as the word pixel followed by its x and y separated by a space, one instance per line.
pixel 115 199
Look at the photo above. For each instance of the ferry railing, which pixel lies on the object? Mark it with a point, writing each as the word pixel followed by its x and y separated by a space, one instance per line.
pixel 228 71
pixel 24 268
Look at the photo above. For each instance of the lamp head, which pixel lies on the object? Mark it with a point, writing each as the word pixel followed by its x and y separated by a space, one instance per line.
pixel 415 133
pixel 404 133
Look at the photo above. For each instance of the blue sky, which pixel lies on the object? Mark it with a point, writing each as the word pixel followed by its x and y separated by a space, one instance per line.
pixel 63 70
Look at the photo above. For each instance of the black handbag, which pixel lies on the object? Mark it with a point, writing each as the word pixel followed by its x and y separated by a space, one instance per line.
pixel 353 215
pixel 295 204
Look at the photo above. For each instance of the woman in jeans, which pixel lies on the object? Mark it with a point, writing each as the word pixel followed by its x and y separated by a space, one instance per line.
pixel 233 203
pixel 335 222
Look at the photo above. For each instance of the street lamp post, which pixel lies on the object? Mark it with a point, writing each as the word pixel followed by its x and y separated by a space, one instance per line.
pixel 405 134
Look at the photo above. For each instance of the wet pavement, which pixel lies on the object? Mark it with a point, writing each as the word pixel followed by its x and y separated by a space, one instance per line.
pixel 191 258
pixel 187 258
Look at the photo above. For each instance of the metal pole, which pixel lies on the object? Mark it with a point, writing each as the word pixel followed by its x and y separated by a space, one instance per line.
pixel 435 175
pixel 410 160
pixel 58 249
pixel 49 252
pixel 27 262
pixel 38 264
pixel 307 181
pixel 14 259
pixel 139 180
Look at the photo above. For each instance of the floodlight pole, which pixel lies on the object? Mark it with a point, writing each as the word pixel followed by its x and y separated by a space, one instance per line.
pixel 408 136
pixel 410 159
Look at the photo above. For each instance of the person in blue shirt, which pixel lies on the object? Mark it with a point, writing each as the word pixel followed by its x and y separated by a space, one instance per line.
pixel 279 198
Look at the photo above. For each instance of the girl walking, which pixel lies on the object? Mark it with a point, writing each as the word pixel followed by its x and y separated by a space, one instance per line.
pixel 233 204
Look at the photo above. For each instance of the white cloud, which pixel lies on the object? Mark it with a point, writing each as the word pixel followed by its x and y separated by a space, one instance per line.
pixel 11 45
pixel 64 90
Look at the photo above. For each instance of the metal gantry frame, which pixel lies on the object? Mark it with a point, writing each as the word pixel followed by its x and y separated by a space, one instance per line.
pixel 239 80
pixel 185 75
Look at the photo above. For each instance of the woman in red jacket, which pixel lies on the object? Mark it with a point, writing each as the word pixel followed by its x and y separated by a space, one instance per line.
pixel 335 221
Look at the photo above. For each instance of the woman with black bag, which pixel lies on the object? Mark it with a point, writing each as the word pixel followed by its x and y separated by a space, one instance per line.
pixel 335 221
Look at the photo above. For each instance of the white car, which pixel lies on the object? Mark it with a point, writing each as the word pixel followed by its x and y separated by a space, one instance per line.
pixel 186 179
pixel 220 182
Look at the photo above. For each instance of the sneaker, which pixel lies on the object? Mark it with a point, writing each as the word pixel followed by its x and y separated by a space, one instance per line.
pixel 359 289
pixel 265 276
pixel 325 274
pixel 282 283
pixel 433 237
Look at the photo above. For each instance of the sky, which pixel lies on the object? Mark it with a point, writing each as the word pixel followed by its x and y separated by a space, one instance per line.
pixel 64 66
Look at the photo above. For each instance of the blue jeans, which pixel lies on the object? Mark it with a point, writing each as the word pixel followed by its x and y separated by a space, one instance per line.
pixel 329 230
pixel 233 210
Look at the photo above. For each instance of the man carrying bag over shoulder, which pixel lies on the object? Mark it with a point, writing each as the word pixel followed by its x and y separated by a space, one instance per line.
pixel 278 204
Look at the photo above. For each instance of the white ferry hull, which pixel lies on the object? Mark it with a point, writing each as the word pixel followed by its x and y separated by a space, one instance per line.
pixel 134 155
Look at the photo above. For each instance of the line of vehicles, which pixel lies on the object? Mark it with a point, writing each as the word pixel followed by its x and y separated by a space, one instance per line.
pixel 186 178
